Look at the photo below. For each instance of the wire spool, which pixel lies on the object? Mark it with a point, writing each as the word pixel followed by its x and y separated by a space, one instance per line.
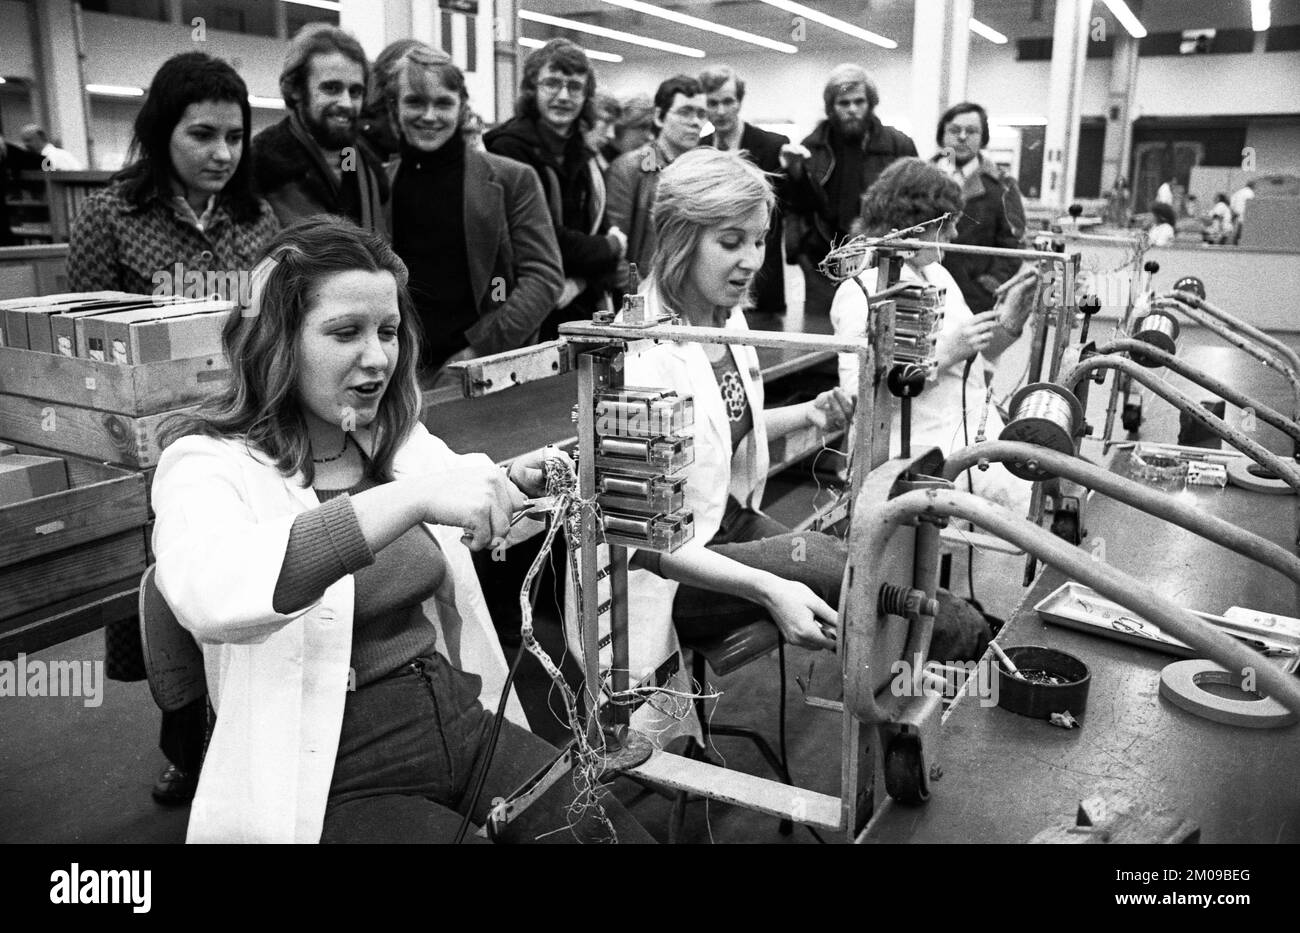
pixel 1044 414
pixel 1249 475
pixel 1158 329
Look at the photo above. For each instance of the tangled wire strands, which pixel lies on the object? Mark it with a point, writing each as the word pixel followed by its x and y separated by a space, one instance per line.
pixel 846 260
pixel 586 758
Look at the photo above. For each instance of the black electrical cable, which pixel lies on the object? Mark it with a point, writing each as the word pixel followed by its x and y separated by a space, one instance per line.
pixel 496 728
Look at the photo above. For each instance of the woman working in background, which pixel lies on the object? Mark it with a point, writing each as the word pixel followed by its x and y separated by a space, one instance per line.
pixel 315 539
pixel 908 193
pixel 185 199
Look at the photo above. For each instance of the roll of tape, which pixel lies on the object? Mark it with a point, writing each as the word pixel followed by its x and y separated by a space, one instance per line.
pixel 1180 684
pixel 1239 474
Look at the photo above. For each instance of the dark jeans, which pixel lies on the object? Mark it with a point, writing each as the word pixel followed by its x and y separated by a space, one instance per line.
pixel 758 541
pixel 409 754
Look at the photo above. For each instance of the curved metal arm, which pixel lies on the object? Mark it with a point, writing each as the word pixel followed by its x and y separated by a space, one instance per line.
pixel 1222 389
pixel 1288 472
pixel 1111 583
pixel 1245 327
pixel 1140 497
pixel 1209 322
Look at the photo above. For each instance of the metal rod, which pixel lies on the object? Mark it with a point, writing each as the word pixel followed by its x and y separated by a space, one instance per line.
pixel 1265 413
pixel 1265 356
pixel 1113 584
pixel 1288 472
pixel 620 672
pixel 587 580
pixel 687 333
pixel 1089 238
pixel 1137 495
pixel 1250 330
pixel 1033 255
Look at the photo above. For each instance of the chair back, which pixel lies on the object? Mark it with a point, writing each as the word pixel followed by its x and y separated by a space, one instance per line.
pixel 173 660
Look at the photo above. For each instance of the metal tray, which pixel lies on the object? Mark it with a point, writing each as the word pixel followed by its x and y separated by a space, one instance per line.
pixel 1080 607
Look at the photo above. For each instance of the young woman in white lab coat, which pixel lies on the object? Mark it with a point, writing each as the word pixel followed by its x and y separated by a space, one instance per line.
pixel 316 539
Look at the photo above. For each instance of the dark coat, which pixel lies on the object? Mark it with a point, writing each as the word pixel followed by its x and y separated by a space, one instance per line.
pixel 993 215
pixel 764 150
pixel 514 262
pixel 808 199
pixel 294 181
pixel 575 196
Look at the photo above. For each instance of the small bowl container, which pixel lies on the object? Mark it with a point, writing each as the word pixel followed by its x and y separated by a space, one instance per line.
pixel 1041 700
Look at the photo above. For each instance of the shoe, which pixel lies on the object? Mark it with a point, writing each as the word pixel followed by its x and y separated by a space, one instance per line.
pixel 175 787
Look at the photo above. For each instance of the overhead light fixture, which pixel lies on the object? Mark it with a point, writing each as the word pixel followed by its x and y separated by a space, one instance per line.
pixel 114 90
pixel 2 80
pixel 591 53
pixel 1121 12
pixel 619 35
pixel 266 103
pixel 988 32
pixel 686 20
pixel 318 4
pixel 798 9
pixel 1259 15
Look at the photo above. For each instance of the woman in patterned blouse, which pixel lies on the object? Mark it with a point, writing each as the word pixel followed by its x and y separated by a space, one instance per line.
pixel 180 219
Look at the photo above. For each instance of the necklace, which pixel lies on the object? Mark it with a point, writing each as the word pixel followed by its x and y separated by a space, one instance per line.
pixel 346 437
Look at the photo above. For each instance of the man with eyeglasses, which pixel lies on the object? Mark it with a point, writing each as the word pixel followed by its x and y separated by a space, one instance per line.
pixel 832 169
pixel 553 114
pixel 634 176
pixel 724 93
pixel 314 161
pixel 993 213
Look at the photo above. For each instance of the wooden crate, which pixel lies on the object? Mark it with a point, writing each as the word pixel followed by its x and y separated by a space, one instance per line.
pixel 52 578
pixel 86 432
pixel 144 389
pixel 57 622
pixel 101 501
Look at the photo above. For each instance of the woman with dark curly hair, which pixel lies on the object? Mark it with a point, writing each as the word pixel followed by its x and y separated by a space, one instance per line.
pixel 911 192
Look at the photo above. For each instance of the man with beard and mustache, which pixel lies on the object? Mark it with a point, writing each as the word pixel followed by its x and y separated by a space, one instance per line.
pixel 314 161
pixel 992 213
pixel 831 171
pixel 553 113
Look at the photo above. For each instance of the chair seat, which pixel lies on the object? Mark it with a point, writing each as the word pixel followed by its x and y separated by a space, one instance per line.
pixel 735 649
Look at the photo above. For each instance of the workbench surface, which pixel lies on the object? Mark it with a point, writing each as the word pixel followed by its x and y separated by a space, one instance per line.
pixel 1006 777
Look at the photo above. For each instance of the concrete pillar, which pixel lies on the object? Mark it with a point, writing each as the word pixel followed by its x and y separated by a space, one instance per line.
pixel 424 20
pixel 940 56
pixel 505 56
pixel 1119 112
pixel 1065 97
pixel 58 53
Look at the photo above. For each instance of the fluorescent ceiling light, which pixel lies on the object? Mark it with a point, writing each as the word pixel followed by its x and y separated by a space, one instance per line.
pixel 1126 18
pixel 268 103
pixel 988 32
pixel 591 53
pixel 628 37
pixel 114 90
pixel 687 20
pixel 1259 15
pixel 318 4
pixel 798 9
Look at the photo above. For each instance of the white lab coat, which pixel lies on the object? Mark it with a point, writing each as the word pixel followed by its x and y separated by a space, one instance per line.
pixel 279 682
pixel 937 411
pixel 715 474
